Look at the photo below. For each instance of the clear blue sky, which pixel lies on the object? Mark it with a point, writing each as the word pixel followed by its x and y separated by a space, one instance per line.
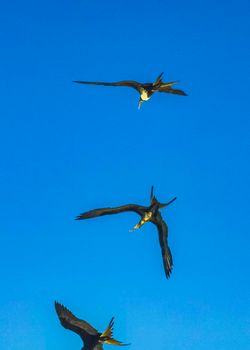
pixel 67 148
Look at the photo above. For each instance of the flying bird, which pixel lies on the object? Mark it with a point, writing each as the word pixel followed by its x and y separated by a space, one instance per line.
pixel 93 340
pixel 147 214
pixel 146 90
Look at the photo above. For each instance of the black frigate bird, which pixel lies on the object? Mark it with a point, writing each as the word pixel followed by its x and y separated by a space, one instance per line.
pixel 146 90
pixel 93 340
pixel 150 213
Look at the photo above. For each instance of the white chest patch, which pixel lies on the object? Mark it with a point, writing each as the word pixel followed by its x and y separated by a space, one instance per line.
pixel 147 216
pixel 144 95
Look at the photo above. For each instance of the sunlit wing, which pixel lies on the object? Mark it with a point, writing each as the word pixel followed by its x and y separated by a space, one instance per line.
pixel 163 239
pixel 128 83
pixel 116 210
pixel 169 90
pixel 70 321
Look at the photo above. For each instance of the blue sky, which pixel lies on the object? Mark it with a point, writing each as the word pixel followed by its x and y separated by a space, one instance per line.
pixel 67 148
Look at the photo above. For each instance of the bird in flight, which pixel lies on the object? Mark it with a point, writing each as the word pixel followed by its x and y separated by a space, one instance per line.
pixel 93 340
pixel 146 90
pixel 150 213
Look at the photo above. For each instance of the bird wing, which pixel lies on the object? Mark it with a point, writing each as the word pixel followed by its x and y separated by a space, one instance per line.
pixel 167 88
pixel 165 250
pixel 129 83
pixel 106 211
pixel 70 321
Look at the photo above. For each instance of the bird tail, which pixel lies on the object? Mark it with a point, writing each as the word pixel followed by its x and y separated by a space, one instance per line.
pixel 170 83
pixel 151 193
pixel 107 336
pixel 163 205
pixel 109 330
pixel 112 341
pixel 152 196
pixel 158 80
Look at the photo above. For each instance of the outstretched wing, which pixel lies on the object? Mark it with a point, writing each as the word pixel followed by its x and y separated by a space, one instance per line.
pixel 165 250
pixel 106 211
pixel 70 321
pixel 167 88
pixel 129 83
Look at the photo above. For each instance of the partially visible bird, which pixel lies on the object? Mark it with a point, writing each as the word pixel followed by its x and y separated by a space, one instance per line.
pixel 93 340
pixel 150 213
pixel 146 90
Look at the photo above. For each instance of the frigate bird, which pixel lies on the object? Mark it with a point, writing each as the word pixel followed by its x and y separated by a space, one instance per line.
pixel 147 214
pixel 93 340
pixel 146 90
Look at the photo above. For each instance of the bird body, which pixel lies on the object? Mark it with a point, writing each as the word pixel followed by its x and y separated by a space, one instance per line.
pixel 147 214
pixel 145 96
pixel 93 340
pixel 146 90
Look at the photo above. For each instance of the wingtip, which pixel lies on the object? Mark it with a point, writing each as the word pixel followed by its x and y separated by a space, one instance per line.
pixel 79 217
pixel 58 306
pixel 56 303
pixel 169 272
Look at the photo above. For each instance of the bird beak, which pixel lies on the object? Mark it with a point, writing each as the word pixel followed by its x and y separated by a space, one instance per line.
pixel 140 103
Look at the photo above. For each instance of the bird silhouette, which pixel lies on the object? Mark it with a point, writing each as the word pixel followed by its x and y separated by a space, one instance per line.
pixel 93 340
pixel 147 214
pixel 146 90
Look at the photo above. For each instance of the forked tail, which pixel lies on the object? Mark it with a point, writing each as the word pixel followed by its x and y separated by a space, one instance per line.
pixel 152 196
pixel 158 80
pixel 107 336
pixel 151 193
pixel 166 204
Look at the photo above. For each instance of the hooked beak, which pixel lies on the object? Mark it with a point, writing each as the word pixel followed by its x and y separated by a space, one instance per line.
pixel 140 103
